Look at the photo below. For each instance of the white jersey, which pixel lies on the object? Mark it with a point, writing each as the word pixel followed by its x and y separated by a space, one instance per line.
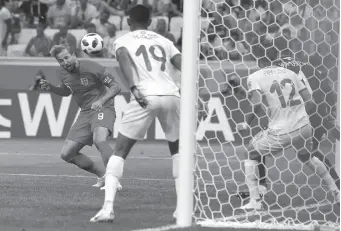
pixel 284 105
pixel 151 53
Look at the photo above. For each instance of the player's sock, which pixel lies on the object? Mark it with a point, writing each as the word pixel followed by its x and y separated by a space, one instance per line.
pixel 85 163
pixel 329 166
pixel 106 151
pixel 175 171
pixel 322 172
pixel 113 175
pixel 251 179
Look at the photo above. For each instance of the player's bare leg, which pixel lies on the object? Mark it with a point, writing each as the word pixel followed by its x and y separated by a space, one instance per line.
pixel 174 150
pixel 113 175
pixel 100 139
pixel 70 153
pixel 321 170
pixel 318 133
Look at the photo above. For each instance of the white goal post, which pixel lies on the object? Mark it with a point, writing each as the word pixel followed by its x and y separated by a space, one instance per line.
pixel 188 121
pixel 210 169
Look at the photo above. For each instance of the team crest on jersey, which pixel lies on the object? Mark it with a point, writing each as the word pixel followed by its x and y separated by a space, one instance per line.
pixel 84 81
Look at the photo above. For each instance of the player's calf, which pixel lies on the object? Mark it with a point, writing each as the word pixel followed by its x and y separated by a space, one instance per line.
pixel 174 150
pixel 100 137
pixel 70 153
pixel 320 169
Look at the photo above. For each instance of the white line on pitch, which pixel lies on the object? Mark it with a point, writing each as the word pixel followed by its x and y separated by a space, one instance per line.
pixel 169 227
pixel 265 213
pixel 75 176
pixel 161 228
pixel 139 179
pixel 58 156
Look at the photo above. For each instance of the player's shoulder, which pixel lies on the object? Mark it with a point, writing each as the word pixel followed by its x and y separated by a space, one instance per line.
pixel 4 11
pixel 89 65
pixel 137 36
pixel 256 75
pixel 62 73
pixel 123 39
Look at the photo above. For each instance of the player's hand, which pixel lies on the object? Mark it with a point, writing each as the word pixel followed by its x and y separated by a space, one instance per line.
pixel 97 106
pixel 44 85
pixel 140 99
pixel 242 127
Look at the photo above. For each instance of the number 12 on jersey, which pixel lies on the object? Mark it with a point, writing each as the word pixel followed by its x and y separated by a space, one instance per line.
pixel 277 87
pixel 142 50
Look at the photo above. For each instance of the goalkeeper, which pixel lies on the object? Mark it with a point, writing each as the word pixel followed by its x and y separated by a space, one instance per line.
pixel 288 101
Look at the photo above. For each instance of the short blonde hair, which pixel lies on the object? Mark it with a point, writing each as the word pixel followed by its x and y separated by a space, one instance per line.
pixel 57 49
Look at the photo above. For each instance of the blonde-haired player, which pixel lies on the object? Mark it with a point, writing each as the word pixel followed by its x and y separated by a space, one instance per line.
pixel 149 62
pixel 286 97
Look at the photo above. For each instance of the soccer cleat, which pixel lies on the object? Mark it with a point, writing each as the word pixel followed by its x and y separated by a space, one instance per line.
pixel 119 187
pixel 103 216
pixel 253 205
pixel 100 182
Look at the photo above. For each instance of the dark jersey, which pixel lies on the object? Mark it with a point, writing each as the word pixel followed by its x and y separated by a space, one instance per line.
pixel 88 83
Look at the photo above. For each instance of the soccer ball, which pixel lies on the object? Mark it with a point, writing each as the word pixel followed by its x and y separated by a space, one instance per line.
pixel 92 44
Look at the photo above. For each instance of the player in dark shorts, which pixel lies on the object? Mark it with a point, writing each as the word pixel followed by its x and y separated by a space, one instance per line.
pixel 94 89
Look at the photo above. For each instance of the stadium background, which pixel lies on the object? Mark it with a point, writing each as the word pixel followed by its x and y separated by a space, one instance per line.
pixel 229 46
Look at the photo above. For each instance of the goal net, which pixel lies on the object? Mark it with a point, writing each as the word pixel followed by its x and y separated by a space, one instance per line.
pixel 234 35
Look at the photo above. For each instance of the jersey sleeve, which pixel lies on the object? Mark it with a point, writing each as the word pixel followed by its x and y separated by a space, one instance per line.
pixel 118 44
pixel 252 82
pixel 6 14
pixel 172 49
pixel 103 75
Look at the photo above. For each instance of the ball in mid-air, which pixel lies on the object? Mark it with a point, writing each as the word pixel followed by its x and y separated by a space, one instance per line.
pixel 92 44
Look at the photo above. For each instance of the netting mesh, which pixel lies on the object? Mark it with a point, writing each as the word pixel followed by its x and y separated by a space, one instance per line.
pixel 234 35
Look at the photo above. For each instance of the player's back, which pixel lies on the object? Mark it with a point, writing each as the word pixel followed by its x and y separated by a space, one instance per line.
pixel 152 55
pixel 284 105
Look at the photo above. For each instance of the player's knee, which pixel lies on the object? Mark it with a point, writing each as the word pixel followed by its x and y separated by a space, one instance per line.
pixel 304 156
pixel 66 156
pixel 100 135
pixel 175 169
pixel 254 155
pixel 115 166
pixel 98 141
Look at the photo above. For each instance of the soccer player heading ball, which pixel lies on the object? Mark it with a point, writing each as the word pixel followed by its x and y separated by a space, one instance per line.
pixel 149 63
pixel 283 91
pixel 94 89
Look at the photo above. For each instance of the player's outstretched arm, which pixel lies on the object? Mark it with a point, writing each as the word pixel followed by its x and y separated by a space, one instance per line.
pixel 61 89
pixel 128 69
pixel 126 65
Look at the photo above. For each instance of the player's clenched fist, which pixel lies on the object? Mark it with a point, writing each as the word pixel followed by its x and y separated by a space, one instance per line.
pixel 97 106
pixel 44 85
pixel 242 127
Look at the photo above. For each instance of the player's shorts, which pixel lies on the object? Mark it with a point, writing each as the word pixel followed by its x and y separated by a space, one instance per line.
pixel 87 121
pixel 268 142
pixel 137 120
